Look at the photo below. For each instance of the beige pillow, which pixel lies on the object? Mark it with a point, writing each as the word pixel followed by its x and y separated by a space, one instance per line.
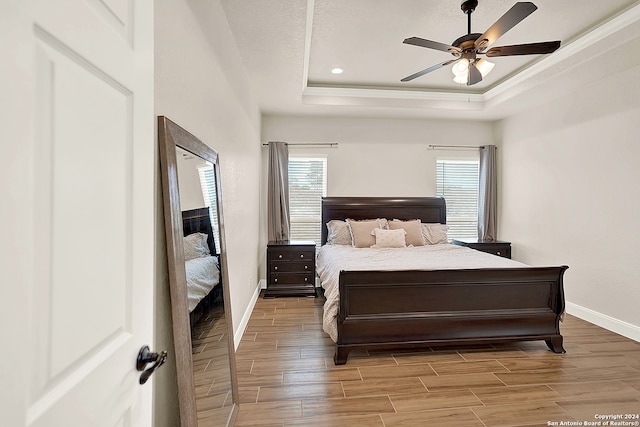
pixel 414 231
pixel 435 233
pixel 195 246
pixel 389 238
pixel 338 233
pixel 361 231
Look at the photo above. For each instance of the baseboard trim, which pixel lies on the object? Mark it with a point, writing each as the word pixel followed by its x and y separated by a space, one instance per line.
pixel 237 336
pixel 611 323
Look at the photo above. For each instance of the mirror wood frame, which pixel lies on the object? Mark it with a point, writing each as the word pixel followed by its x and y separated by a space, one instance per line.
pixel 170 136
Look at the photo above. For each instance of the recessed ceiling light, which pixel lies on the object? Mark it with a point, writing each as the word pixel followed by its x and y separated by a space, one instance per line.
pixel 337 70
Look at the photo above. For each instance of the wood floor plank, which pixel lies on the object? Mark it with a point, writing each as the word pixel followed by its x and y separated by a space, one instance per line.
pixel 299 392
pixel 348 406
pixel 322 376
pixel 416 370
pixel 383 386
pixel 459 417
pixel 338 421
pixel 468 367
pixel 463 381
pixel 536 413
pixel 434 400
pixel 515 394
pixel 595 390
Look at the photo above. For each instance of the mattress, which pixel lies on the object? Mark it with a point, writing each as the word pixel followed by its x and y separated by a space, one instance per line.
pixel 203 274
pixel 332 259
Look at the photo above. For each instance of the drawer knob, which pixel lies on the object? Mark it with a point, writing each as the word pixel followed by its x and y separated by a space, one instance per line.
pixel 275 268
pixel 306 267
pixel 280 256
pixel 499 253
pixel 306 280
pixel 275 280
pixel 301 255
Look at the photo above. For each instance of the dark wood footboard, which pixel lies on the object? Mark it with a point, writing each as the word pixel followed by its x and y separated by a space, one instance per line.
pixel 399 309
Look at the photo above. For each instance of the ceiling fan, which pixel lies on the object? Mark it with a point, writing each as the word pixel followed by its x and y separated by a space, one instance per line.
pixel 470 69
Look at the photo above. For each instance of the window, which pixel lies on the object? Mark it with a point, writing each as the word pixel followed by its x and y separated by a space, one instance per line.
pixel 208 186
pixel 457 182
pixel 307 186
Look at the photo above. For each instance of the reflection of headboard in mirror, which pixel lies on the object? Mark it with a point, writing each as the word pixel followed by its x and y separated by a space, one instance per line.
pixel 199 221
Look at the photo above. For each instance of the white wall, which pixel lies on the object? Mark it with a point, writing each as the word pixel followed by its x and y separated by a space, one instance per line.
pixel 201 85
pixel 569 180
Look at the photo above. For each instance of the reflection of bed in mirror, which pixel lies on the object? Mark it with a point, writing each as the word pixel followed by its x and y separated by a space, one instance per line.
pixel 203 337
pixel 202 265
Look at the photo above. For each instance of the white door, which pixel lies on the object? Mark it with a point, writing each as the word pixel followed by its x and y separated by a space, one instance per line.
pixel 76 211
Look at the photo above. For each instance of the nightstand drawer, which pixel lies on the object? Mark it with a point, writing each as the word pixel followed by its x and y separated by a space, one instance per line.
pixel 291 255
pixel 292 266
pixel 291 279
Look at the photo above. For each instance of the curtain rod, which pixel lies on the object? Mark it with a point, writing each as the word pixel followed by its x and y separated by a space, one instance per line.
pixel 308 144
pixel 463 147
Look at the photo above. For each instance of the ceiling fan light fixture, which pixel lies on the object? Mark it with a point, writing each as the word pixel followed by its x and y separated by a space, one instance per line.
pixel 461 68
pixel 484 66
pixel 462 79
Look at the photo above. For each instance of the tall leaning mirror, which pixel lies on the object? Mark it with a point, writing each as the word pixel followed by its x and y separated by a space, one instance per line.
pixel 198 278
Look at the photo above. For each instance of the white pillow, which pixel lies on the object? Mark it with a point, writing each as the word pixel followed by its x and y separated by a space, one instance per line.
pixel 195 246
pixel 389 238
pixel 338 233
pixel 435 233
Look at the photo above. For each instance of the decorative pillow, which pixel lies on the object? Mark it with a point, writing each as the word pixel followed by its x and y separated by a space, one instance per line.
pixel 435 233
pixel 361 231
pixel 412 227
pixel 195 246
pixel 338 233
pixel 389 238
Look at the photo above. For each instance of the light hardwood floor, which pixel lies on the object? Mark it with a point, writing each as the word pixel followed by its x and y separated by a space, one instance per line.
pixel 287 378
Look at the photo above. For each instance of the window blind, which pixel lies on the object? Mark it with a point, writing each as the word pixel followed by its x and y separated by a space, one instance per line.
pixel 208 186
pixel 457 182
pixel 307 186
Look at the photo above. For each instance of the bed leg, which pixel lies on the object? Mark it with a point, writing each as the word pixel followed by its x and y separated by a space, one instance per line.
pixel 555 344
pixel 340 357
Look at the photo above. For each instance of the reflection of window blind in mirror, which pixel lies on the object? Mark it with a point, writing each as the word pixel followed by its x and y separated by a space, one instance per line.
pixel 208 185
pixel 457 182
pixel 307 186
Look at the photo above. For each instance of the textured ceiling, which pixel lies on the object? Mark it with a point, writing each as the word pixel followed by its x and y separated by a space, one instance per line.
pixel 290 46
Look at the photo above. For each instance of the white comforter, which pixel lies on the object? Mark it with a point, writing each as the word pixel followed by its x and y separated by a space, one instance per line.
pixel 203 275
pixel 332 259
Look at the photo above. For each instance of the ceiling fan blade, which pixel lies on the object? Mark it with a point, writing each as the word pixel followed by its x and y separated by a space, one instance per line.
pixel 417 41
pixel 474 75
pixel 517 13
pixel 428 70
pixel 524 49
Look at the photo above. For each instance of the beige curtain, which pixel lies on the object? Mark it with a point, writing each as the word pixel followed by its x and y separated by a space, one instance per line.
pixel 488 194
pixel 278 192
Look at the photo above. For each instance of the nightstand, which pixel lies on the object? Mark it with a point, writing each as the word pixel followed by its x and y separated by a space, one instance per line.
pixel 291 269
pixel 495 247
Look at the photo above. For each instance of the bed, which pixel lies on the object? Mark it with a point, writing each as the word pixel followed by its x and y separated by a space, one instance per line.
pixel 202 265
pixel 381 308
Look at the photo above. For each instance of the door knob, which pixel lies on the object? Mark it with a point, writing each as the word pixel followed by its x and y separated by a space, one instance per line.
pixel 146 356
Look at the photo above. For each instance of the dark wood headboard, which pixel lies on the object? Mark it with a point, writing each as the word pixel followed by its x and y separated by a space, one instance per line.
pixel 426 209
pixel 198 221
